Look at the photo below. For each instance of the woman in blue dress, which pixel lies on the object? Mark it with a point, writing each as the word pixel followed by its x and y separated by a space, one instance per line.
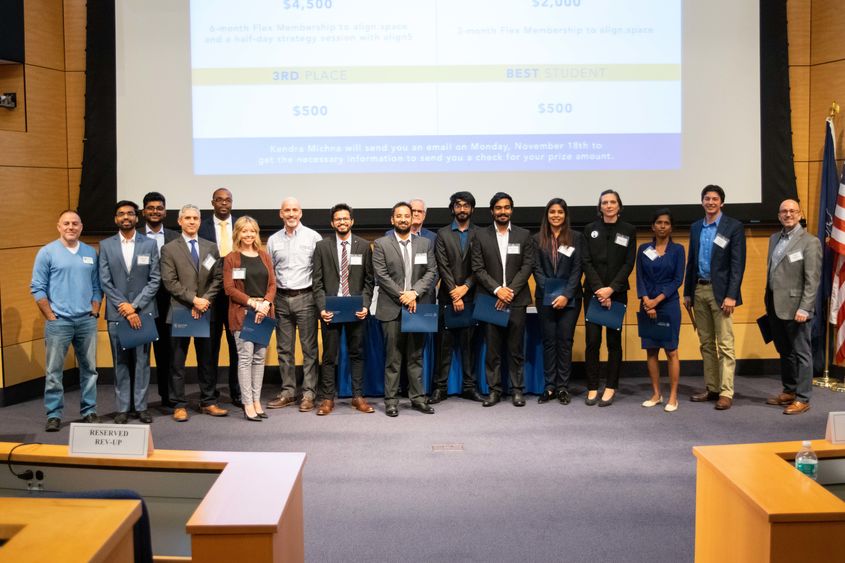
pixel 660 272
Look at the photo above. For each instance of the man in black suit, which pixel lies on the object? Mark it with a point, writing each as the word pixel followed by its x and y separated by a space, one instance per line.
pixel 404 267
pixel 218 229
pixel 155 210
pixel 342 266
pixel 502 259
pixel 457 290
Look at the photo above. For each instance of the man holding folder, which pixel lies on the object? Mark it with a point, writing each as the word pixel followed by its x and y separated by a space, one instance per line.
pixel 342 268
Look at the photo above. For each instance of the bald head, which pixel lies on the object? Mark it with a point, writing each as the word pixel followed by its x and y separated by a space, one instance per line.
pixel 789 213
pixel 291 213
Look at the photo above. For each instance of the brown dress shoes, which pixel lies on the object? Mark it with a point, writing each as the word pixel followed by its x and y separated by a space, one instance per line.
pixel 280 402
pixel 782 399
pixel 326 407
pixel 361 404
pixel 214 410
pixel 180 414
pixel 704 396
pixel 723 404
pixel 797 407
pixel 306 405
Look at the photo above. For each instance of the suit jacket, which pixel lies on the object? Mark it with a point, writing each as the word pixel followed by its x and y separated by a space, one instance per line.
pixel 793 282
pixel 137 286
pixel 487 263
pixel 208 230
pixel 568 268
pixel 453 263
pixel 182 280
pixel 325 276
pixel 238 299
pixel 607 262
pixel 727 265
pixel 389 272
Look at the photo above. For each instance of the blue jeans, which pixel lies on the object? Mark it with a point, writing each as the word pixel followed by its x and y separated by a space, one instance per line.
pixel 59 334
pixel 123 359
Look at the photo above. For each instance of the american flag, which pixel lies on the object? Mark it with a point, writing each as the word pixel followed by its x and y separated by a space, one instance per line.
pixel 836 242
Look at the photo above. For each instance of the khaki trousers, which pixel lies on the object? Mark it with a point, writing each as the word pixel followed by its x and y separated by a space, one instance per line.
pixel 716 333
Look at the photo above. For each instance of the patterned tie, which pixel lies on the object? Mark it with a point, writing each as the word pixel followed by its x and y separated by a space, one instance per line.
pixel 225 239
pixel 344 269
pixel 195 255
pixel 406 256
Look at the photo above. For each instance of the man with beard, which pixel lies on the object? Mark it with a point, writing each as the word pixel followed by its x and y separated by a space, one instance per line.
pixel 502 259
pixel 130 277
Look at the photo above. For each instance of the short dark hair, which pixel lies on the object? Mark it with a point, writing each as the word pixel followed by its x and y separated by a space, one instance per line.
pixel 662 211
pixel 715 189
pixel 497 196
pixel 339 207
pixel 461 196
pixel 399 204
pixel 608 192
pixel 154 196
pixel 125 203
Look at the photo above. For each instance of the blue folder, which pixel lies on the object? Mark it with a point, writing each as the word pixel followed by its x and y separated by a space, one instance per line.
pixel 611 318
pixel 453 319
pixel 183 324
pixel 423 320
pixel 765 328
pixel 257 332
pixel 131 338
pixel 344 308
pixel 553 289
pixel 658 329
pixel 486 312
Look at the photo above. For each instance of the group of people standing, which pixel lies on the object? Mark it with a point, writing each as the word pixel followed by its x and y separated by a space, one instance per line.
pixel 219 268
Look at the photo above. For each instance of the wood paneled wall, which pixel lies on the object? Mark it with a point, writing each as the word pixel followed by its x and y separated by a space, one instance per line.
pixel 40 168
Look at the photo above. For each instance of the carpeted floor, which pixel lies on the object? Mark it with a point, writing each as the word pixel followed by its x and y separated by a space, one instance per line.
pixel 539 483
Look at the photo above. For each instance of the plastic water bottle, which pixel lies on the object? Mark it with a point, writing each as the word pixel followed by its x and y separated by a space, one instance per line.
pixel 806 461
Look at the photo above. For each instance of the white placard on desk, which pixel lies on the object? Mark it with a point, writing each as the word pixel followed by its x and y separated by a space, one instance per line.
pixel 835 433
pixel 110 440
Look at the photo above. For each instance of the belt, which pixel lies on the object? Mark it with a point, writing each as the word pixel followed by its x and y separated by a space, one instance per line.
pixel 703 282
pixel 294 292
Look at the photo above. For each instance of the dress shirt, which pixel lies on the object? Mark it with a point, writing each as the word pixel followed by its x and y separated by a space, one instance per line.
pixel 228 229
pixel 156 236
pixel 338 242
pixel 127 246
pixel 463 236
pixel 780 247
pixel 705 246
pixel 292 256
pixel 502 239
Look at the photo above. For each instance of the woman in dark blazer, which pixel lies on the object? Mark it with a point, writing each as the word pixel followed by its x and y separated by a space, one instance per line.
pixel 250 283
pixel 557 263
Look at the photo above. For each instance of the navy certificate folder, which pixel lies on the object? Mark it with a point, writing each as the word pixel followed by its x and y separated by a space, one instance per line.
pixel 486 312
pixel 131 338
pixel 453 319
pixel 657 329
pixel 423 320
pixel 183 324
pixel 257 332
pixel 344 308
pixel 765 328
pixel 611 318
pixel 553 289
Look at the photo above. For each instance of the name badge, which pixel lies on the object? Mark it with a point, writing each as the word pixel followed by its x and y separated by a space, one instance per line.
pixel 356 260
pixel 566 250
pixel 796 256
pixel 651 253
pixel 513 248
pixel 238 273
pixel 420 258
pixel 721 241
pixel 88 260
pixel 209 262
pixel 143 259
pixel 621 240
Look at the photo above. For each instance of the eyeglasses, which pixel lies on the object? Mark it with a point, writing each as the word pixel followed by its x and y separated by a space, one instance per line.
pixel 222 200
pixel 789 211
pixel 126 214
pixel 154 208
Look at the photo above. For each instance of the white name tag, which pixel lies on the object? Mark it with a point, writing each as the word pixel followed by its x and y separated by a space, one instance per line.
pixel 356 259
pixel 238 273
pixel 87 260
pixel 621 240
pixel 566 250
pixel 796 256
pixel 651 253
pixel 110 440
pixel 420 258
pixel 721 241
pixel 209 262
pixel 143 259
pixel 513 248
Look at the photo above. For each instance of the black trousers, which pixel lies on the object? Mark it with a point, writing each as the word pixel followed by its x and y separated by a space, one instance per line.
pixel 557 327
pixel 220 324
pixel 614 356
pixel 332 333
pixel 206 376
pixel 398 347
pixel 462 339
pixel 161 347
pixel 512 336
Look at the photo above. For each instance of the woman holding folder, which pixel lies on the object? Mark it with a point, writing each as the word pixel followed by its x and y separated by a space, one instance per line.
pixel 557 274
pixel 660 272
pixel 249 282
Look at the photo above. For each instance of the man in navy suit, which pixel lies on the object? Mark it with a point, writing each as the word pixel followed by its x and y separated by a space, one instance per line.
pixel 712 291
pixel 130 277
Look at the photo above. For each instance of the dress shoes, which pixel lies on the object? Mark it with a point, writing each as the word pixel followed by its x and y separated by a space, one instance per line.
pixel 261 414
pixel 53 424
pixel 796 407
pixel 361 404
pixel 145 417
pixel 606 402
pixel 437 396
pixel 472 395
pixel 781 400
pixel 546 396
pixel 280 402
pixel 650 403
pixel 91 418
pixel 723 404
pixel 424 408
pixel 671 407
pixel 214 410
pixel 590 402
pixel 704 396
pixel 326 407
pixel 180 414
pixel 563 397
pixel 121 418
pixel 518 399
pixel 492 399
pixel 391 411
pixel 255 418
pixel 306 405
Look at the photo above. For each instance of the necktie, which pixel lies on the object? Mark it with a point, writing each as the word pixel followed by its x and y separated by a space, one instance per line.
pixel 406 256
pixel 344 269
pixel 225 239
pixel 195 255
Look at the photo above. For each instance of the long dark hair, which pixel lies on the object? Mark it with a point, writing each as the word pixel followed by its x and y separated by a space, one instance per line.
pixel 548 242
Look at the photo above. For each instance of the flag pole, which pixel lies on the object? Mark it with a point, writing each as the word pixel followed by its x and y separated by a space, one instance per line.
pixel 825 381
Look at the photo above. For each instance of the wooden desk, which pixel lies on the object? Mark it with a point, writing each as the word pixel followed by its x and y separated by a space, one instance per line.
pixel 252 512
pixel 752 505
pixel 44 529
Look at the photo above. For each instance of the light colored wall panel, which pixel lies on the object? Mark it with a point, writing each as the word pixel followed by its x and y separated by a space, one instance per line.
pixel 32 225
pixel 25 361
pixel 11 80
pixel 22 321
pixel 828 21
pixel 828 84
pixel 798 31
pixel 799 101
pixel 44 33
pixel 75 96
pixel 75 20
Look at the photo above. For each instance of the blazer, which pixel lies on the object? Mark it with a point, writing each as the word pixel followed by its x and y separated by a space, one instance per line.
pixel 487 263
pixel 389 272
pixel 235 288
pixel 182 280
pixel 453 263
pixel 568 268
pixel 727 265
pixel 794 280
pixel 137 286
pixel 608 262
pixel 209 232
pixel 325 274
